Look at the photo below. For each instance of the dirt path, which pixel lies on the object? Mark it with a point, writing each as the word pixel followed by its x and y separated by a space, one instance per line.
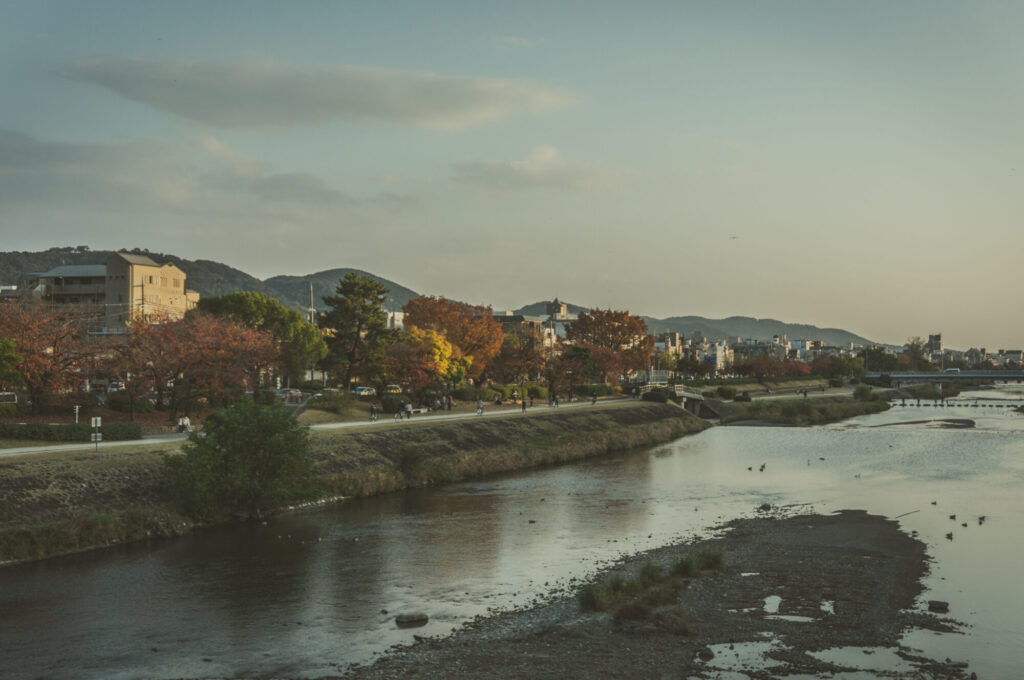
pixel 845 580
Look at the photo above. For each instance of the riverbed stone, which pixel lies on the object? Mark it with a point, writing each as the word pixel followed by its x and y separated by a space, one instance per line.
pixel 411 620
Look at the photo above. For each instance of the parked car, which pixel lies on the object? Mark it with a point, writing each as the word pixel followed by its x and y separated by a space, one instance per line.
pixel 393 389
pixel 364 391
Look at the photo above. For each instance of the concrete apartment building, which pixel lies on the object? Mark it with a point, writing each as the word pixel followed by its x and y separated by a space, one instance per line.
pixel 126 287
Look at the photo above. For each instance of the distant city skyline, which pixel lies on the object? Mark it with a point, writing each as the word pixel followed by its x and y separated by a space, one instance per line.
pixel 848 165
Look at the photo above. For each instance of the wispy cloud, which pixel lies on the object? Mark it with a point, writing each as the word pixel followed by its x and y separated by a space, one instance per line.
pixel 544 166
pixel 197 195
pixel 512 41
pixel 243 95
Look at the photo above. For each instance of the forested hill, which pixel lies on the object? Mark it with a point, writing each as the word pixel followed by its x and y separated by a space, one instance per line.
pixel 205 276
pixel 294 290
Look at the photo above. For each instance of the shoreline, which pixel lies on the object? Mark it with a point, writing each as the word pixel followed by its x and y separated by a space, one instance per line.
pixel 69 502
pixel 850 580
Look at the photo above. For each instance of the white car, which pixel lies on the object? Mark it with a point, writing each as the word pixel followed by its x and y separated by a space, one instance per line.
pixel 364 391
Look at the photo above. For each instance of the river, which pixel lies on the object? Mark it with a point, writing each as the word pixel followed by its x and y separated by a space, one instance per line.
pixel 311 593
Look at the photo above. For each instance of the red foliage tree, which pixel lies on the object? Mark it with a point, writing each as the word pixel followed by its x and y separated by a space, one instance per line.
pixel 198 358
pixel 49 341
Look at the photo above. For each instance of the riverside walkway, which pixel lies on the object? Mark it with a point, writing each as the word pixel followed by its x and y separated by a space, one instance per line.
pixel 386 420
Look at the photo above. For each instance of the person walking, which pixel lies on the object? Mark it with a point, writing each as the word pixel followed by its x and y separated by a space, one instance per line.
pixel 373 412
pixel 479 407
pixel 524 405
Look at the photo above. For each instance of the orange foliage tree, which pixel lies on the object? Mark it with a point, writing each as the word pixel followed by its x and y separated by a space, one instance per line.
pixel 470 328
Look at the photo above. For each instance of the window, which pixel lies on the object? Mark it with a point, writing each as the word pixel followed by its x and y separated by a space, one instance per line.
pixel 163 281
pixel 150 279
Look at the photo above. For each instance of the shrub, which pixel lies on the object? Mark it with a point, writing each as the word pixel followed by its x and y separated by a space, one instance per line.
pixel 649 573
pixel 8 410
pixel 685 567
pixel 537 391
pixel 590 598
pixel 336 402
pixel 657 394
pixel 393 403
pixel 250 460
pixel 864 392
pixel 744 397
pixel 726 392
pixel 80 432
pixel 599 389
pixel 710 559
pixel 835 382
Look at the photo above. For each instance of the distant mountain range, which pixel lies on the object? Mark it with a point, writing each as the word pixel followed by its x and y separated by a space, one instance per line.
pixel 734 326
pixel 215 278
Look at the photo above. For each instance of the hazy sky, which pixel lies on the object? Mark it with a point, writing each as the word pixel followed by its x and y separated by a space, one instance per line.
pixel 851 164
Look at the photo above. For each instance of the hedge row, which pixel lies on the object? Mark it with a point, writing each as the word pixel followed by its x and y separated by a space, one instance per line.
pixel 80 432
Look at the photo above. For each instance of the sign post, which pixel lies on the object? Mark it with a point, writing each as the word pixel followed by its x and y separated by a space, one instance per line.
pixel 97 436
pixel 76 413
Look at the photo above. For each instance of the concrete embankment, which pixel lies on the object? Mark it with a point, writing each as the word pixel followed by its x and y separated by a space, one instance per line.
pixel 60 503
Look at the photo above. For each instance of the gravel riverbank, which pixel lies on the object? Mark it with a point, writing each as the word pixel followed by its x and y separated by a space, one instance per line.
pixel 801 596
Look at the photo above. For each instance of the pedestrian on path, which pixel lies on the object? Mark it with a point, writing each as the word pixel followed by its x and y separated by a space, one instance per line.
pixel 373 412
pixel 524 405
pixel 479 407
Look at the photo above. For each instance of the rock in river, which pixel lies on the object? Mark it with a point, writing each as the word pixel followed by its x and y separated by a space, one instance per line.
pixel 411 620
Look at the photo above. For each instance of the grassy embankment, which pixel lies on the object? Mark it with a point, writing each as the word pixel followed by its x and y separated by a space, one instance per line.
pixel 799 411
pixel 65 502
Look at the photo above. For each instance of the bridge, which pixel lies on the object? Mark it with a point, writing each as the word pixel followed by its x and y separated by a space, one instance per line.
pixel 911 377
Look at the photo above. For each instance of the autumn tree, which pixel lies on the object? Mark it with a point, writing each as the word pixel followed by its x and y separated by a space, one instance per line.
pixel 200 358
pixel 299 342
pixel 618 331
pixel 49 341
pixel 520 358
pixel 357 327
pixel 423 358
pixel 470 328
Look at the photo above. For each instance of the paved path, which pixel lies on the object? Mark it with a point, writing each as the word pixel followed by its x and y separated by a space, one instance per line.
pixel 386 420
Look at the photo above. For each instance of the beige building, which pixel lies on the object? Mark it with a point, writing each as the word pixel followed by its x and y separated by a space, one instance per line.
pixel 138 287
pixel 126 287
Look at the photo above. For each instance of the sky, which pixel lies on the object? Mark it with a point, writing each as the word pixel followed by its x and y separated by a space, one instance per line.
pixel 844 164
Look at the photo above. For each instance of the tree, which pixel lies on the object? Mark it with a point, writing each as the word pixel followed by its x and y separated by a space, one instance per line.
pixel 617 331
pixel 249 461
pixel 357 327
pixel 470 328
pixel 9 360
pixel 423 359
pixel 49 342
pixel 198 358
pixel 878 359
pixel 520 358
pixel 915 356
pixel 299 341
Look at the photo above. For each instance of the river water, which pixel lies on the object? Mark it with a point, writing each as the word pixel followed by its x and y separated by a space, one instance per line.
pixel 311 593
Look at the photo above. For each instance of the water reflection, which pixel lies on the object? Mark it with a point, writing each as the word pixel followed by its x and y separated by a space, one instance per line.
pixel 305 594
